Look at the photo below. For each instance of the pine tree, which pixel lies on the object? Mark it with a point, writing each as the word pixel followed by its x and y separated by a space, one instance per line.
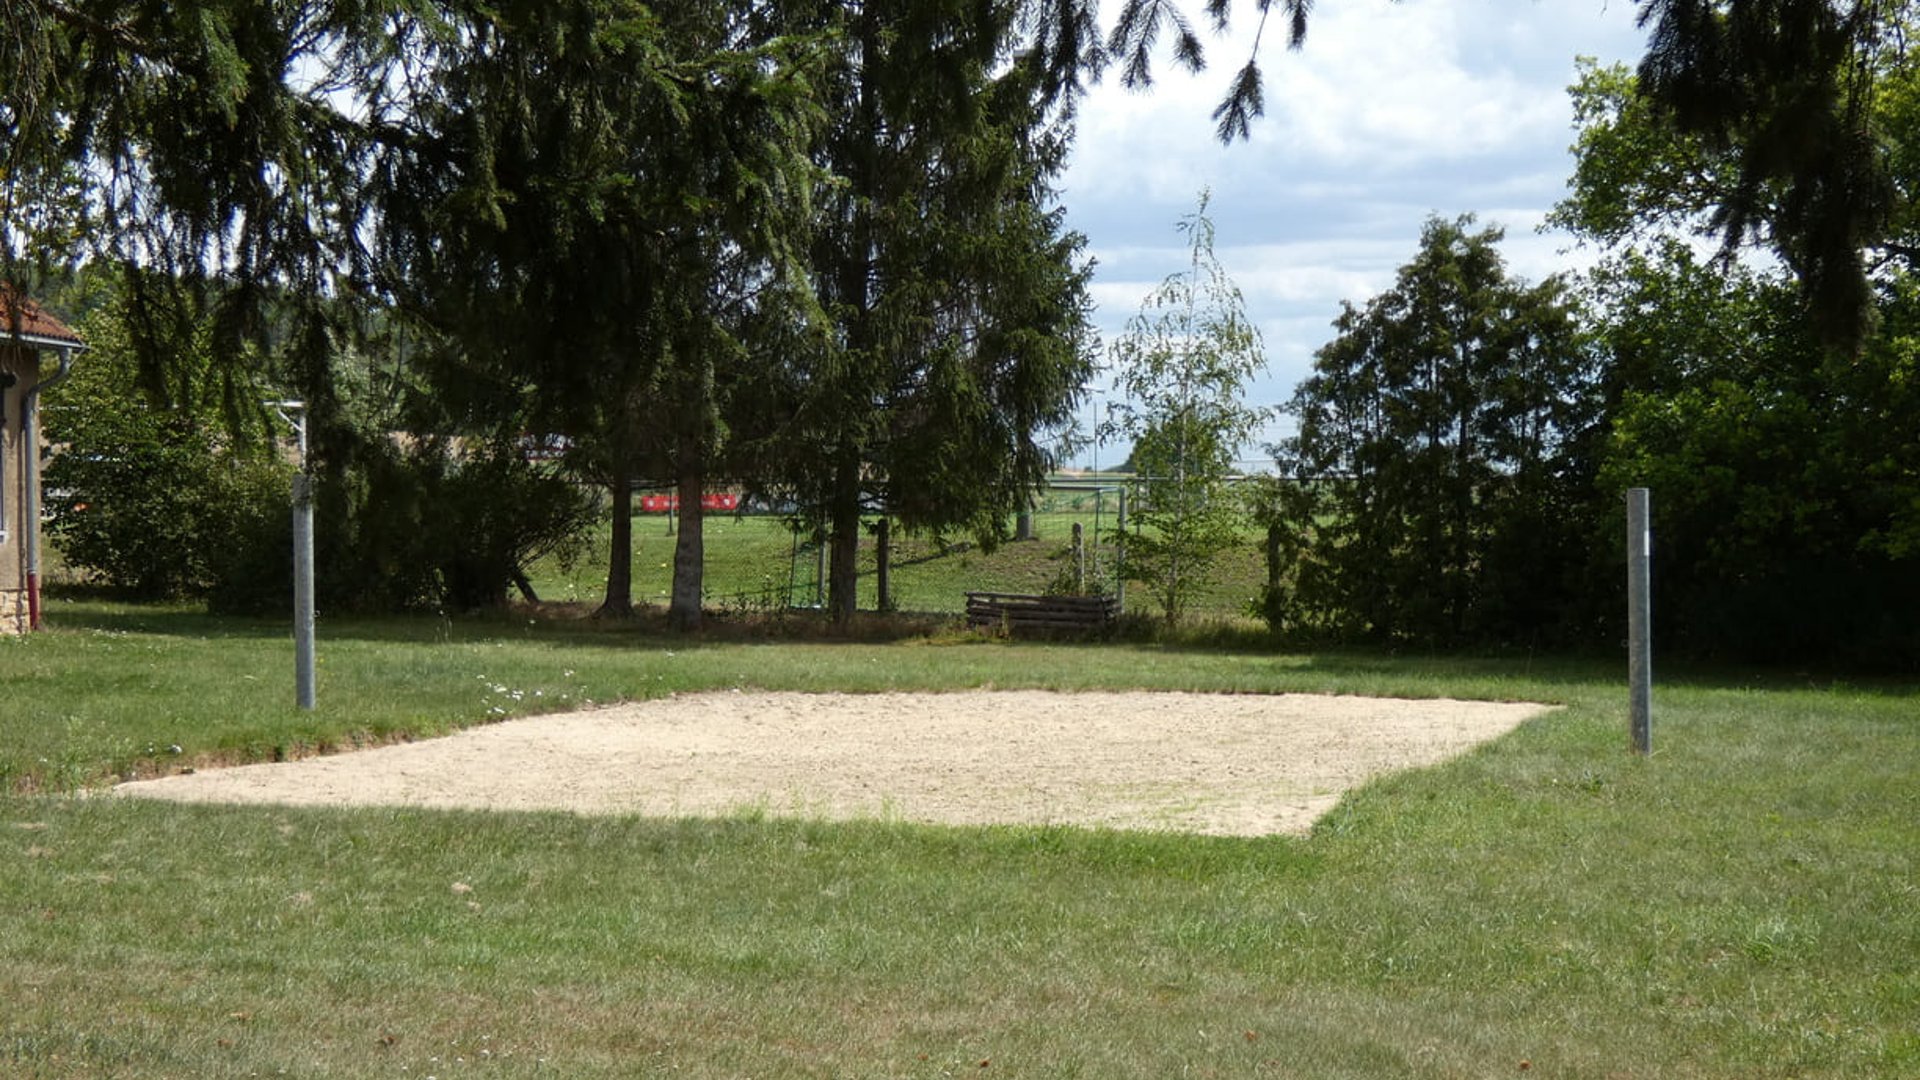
pixel 956 298
pixel 602 191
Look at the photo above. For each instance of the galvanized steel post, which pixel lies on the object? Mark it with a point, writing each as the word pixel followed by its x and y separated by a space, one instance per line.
pixel 1639 620
pixel 303 690
pixel 303 660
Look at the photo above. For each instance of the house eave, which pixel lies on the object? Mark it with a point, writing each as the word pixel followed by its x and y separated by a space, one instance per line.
pixel 41 341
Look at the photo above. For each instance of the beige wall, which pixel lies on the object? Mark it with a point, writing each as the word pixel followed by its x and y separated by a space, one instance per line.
pixel 13 491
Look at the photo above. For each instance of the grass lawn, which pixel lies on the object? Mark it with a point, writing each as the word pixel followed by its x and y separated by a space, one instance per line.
pixel 1744 904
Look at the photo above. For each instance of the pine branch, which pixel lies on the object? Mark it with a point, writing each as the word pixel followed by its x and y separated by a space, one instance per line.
pixel 1245 100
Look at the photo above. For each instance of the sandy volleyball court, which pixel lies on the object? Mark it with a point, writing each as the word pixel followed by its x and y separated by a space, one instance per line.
pixel 1243 765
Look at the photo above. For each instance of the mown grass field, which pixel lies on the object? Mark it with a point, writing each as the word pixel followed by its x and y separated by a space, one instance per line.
pixel 1746 903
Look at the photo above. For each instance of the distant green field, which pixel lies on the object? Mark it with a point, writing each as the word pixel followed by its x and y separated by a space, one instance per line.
pixel 754 563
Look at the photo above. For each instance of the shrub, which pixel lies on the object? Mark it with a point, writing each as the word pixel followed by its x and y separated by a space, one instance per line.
pixel 441 526
pixel 151 506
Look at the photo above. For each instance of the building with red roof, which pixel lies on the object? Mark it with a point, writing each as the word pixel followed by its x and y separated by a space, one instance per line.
pixel 29 337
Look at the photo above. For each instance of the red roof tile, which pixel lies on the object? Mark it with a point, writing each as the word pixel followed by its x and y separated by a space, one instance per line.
pixel 21 317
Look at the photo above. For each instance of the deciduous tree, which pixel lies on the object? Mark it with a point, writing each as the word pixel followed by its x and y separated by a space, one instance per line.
pixel 1438 460
pixel 1183 364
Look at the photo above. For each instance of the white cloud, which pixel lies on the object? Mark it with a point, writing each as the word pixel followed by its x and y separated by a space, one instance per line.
pixel 1385 87
pixel 1393 111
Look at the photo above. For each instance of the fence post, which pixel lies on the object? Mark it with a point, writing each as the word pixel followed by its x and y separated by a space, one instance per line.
pixel 883 564
pixel 1079 560
pixel 1639 620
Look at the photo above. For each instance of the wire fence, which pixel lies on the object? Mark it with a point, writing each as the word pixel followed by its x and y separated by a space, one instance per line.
pixel 756 561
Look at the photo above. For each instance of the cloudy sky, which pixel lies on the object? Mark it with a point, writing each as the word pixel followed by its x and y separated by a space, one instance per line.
pixel 1391 112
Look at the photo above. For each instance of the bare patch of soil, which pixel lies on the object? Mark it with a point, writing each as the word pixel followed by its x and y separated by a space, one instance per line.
pixel 1243 765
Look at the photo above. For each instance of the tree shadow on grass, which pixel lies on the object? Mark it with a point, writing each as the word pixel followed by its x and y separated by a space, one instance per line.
pixel 573 626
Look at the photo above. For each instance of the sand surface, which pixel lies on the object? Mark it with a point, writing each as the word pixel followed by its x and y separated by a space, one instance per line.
pixel 1243 765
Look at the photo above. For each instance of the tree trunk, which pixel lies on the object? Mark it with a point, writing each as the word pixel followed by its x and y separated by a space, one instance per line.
pixel 856 275
pixel 1276 566
pixel 843 539
pixel 689 550
pixel 619 600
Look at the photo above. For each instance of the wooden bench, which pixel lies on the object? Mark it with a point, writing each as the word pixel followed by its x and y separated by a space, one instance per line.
pixel 1020 611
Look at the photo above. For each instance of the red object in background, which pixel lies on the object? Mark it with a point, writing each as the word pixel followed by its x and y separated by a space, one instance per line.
pixel 661 504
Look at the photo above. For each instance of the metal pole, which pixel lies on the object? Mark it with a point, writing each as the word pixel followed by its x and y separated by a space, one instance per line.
pixel 293 413
pixel 303 589
pixel 1639 620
